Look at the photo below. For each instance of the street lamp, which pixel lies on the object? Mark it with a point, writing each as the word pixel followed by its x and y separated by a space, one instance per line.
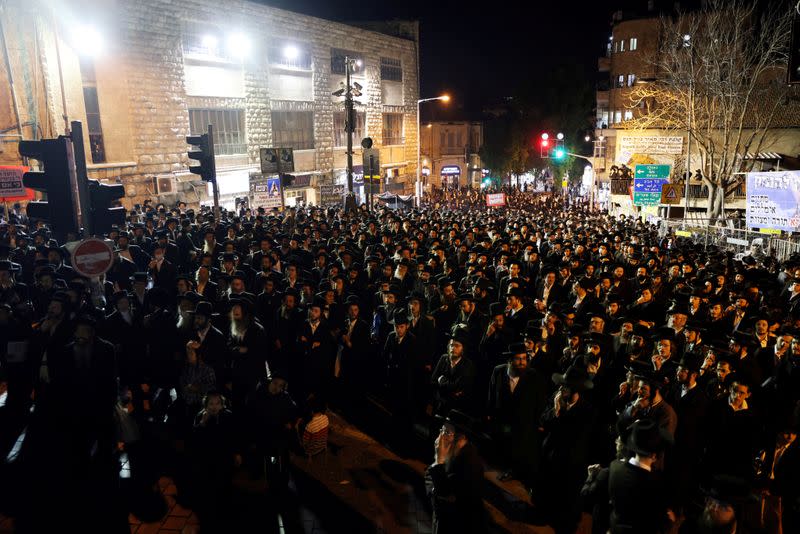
pixel 418 185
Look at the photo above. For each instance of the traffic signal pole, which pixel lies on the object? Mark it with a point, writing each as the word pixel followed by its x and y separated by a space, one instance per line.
pixel 213 164
pixel 81 178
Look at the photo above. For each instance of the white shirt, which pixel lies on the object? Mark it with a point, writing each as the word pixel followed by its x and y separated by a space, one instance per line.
pixel 635 462
pixel 512 380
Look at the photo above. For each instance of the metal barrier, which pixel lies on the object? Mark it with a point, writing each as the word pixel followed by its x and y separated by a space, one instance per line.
pixel 729 238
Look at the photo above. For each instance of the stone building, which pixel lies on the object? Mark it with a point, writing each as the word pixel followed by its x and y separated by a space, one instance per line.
pixel 450 153
pixel 629 59
pixel 142 75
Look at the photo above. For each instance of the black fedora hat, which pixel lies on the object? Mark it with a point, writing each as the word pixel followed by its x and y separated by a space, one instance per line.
pixel 204 308
pixel 647 437
pixel 576 378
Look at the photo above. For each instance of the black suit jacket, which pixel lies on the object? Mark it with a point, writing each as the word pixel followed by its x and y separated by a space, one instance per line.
pixel 637 499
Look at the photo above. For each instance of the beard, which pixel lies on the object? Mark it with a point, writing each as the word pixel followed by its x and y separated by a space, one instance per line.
pixel 238 328
pixel 184 320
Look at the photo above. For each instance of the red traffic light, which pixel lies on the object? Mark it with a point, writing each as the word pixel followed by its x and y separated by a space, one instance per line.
pixel 545 143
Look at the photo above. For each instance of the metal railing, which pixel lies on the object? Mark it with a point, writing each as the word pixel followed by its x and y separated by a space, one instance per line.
pixel 726 236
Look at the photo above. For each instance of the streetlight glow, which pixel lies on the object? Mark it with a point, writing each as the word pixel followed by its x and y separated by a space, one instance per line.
pixel 587 138
pixel 545 136
pixel 291 52
pixel 88 41
pixel 560 136
pixel 445 98
pixel 239 45
pixel 209 42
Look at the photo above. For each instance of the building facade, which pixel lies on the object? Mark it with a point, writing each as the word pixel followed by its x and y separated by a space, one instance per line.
pixel 450 153
pixel 629 59
pixel 142 75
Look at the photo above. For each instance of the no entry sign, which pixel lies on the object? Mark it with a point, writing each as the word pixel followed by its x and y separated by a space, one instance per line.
pixel 92 257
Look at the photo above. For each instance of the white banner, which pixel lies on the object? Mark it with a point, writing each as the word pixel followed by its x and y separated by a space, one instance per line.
pixel 627 146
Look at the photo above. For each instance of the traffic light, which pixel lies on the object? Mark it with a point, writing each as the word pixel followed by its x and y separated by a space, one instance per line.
pixel 559 154
pixel 544 146
pixel 793 74
pixel 59 209
pixel 102 216
pixel 204 155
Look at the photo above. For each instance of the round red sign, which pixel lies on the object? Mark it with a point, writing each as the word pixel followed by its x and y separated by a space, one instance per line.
pixel 92 257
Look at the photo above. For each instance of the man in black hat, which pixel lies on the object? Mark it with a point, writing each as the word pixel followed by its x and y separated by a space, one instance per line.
pixel 517 399
pixel 212 349
pixel 247 345
pixel 455 479
pixel 734 431
pixel 565 449
pixel 161 270
pixel 638 494
pixel 453 378
pixel 517 315
pixel 354 365
pixel 400 358
pixel 690 403
pixel 318 352
pixel 778 474
pixel 650 404
pixel 470 320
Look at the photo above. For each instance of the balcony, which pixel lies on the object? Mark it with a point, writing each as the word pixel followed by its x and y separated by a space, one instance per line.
pixel 452 150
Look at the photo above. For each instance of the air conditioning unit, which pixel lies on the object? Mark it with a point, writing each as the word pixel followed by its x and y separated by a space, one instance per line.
pixel 163 185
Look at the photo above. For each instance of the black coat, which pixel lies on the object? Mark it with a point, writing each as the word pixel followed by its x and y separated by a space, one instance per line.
pixel 400 361
pixel 454 387
pixel 637 499
pixel 455 490
pixel 515 415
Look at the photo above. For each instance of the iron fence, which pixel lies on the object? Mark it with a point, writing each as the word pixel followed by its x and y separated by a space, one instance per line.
pixel 727 237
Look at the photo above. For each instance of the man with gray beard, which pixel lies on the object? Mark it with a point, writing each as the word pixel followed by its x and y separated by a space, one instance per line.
pixel 247 344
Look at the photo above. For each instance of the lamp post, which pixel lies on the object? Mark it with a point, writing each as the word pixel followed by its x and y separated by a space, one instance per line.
pixel 687 43
pixel 348 90
pixel 418 185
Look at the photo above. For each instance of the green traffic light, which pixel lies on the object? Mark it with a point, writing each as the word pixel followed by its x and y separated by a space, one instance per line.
pixel 559 153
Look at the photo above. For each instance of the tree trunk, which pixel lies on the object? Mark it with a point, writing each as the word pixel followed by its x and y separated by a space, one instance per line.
pixel 716 194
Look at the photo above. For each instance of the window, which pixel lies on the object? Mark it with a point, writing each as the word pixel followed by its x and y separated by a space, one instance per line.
pixel 229 135
pixel 628 114
pixel 340 136
pixel 616 46
pixel 92 105
pixel 289 54
pixel 631 80
pixel 392 128
pixel 206 41
pixel 293 129
pixel 337 61
pixel 617 116
pixel 621 80
pixel 622 46
pixel 391 69
pixel 451 139
pixel 634 44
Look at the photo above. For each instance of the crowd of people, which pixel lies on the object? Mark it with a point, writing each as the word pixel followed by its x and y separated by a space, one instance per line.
pixel 648 381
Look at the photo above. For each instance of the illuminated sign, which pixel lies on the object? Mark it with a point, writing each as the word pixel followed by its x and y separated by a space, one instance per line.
pixel 450 170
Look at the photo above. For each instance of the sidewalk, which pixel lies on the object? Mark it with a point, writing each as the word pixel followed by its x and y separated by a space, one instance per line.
pixel 389 491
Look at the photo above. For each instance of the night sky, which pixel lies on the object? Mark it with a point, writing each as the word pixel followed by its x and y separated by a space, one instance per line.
pixel 480 55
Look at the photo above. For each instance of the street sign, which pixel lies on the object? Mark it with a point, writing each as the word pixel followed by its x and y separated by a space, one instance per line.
pixel 670 194
pixel 647 183
pixel 647 191
pixel 92 257
pixel 374 155
pixel 265 191
pixel 269 160
pixel 651 171
pixel 11 182
pixel 331 194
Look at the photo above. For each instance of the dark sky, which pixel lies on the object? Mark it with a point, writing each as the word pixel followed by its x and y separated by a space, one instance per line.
pixel 478 54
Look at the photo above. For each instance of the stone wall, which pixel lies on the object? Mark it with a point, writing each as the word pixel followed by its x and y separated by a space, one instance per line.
pixel 146 65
